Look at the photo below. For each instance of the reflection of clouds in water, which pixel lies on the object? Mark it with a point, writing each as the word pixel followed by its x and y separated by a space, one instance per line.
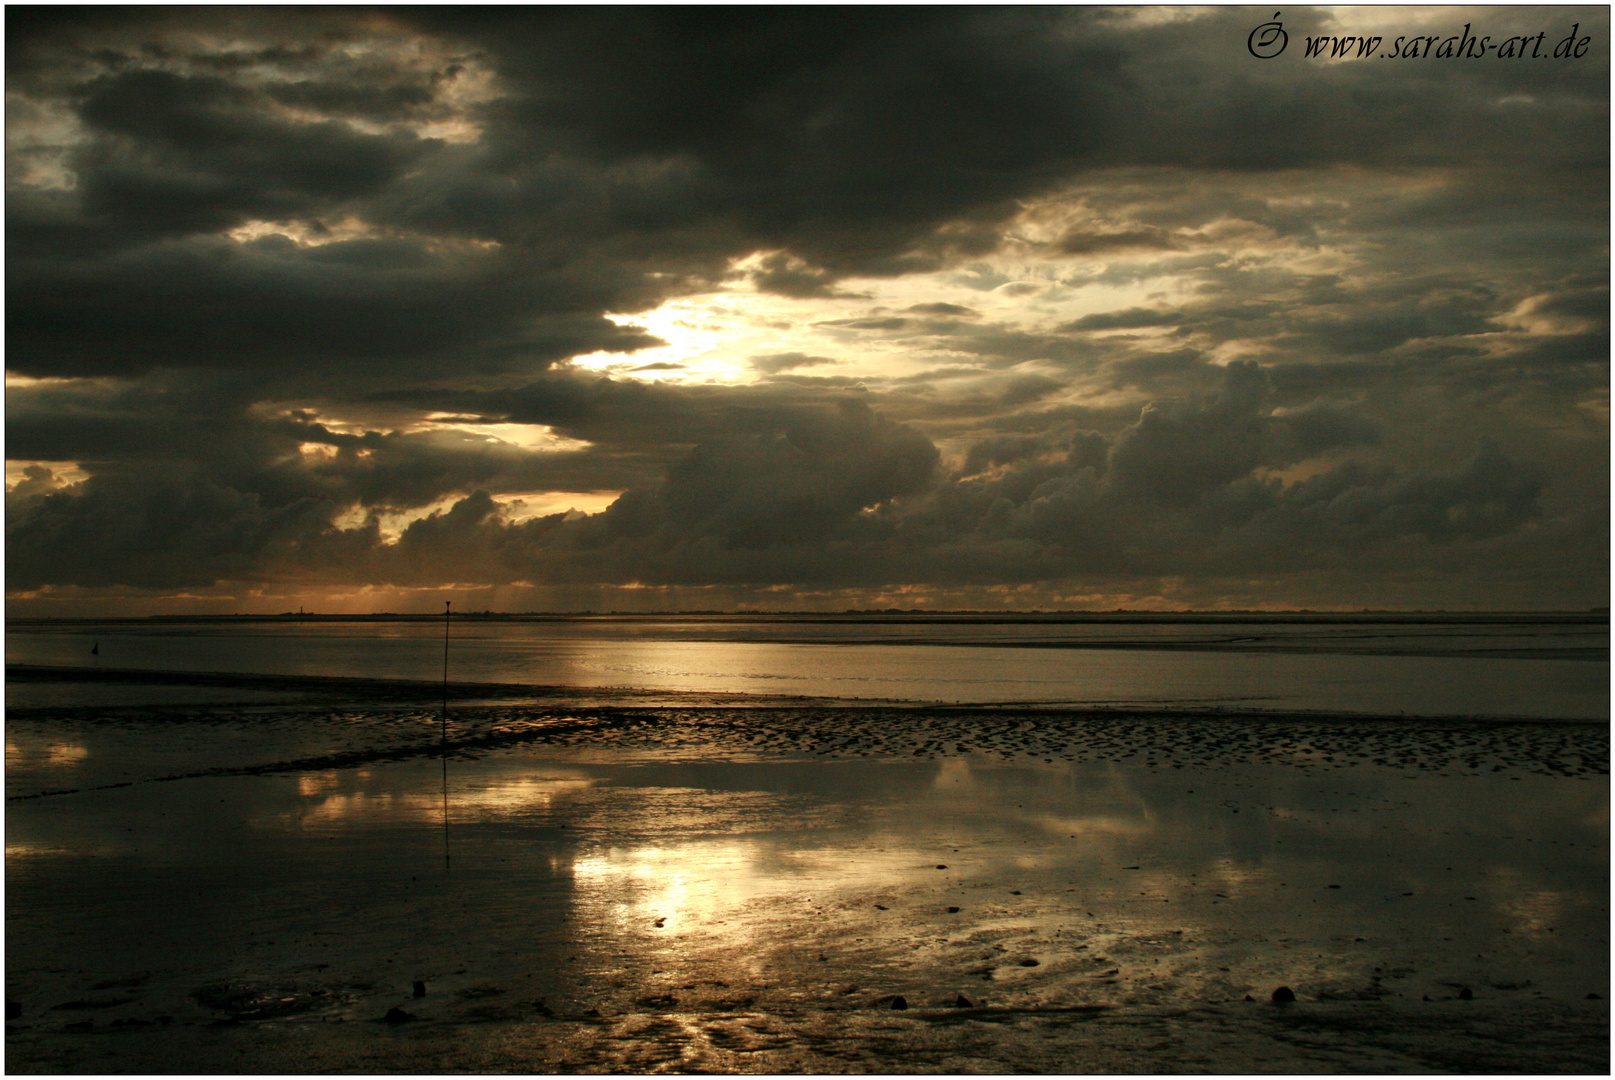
pixel 378 806
pixel 316 783
pixel 1531 911
pixel 515 795
pixel 1096 825
pixel 501 797
pixel 1232 876
pixel 756 863
pixel 954 774
pixel 54 754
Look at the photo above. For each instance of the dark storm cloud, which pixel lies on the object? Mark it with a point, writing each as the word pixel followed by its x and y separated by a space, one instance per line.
pixel 806 482
pixel 273 244
pixel 845 143
pixel 843 498
pixel 786 276
pixel 822 494
pixel 355 310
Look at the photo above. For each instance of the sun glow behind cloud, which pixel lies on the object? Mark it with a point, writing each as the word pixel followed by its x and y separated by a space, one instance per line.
pixel 878 328
pixel 529 437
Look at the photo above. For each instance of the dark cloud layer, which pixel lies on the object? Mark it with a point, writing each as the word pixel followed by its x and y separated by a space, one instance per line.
pixel 282 281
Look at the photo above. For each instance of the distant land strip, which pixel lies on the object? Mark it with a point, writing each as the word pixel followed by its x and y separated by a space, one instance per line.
pixel 1240 645
pixel 892 617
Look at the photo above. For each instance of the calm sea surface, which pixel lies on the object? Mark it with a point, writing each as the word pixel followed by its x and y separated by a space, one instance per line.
pixel 1532 666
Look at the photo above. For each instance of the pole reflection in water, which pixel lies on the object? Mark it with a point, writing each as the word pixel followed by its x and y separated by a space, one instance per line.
pixel 443 735
pixel 445 809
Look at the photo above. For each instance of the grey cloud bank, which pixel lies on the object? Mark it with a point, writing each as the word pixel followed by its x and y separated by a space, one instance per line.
pixel 964 307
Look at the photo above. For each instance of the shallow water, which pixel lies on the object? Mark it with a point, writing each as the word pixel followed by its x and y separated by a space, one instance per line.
pixel 1536 668
pixel 246 876
pixel 732 902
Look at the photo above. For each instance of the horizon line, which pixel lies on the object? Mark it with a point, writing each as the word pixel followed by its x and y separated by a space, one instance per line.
pixel 815 612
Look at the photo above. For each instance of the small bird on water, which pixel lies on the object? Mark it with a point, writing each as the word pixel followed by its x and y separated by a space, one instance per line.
pixel 95 650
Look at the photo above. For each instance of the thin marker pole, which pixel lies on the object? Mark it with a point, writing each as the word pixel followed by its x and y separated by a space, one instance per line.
pixel 445 671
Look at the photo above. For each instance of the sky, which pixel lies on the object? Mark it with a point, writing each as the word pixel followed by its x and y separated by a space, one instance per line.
pixel 805 309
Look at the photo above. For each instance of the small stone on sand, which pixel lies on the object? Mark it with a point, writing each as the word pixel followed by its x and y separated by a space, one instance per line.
pixel 1284 993
pixel 899 1001
pixel 395 1015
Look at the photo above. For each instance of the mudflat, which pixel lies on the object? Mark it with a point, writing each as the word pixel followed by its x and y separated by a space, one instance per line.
pixel 217 874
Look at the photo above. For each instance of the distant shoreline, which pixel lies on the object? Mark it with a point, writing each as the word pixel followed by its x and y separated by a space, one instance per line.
pixel 890 617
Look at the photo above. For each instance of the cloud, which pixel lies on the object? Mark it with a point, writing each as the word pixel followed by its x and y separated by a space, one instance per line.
pixel 806 481
pixel 787 276
pixel 944 309
pixel 1131 319
pixel 275 275
pixel 1095 243
pixel 779 362
pixel 1176 453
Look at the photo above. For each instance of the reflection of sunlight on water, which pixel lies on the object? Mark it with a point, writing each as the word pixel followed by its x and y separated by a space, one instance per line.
pixel 688 885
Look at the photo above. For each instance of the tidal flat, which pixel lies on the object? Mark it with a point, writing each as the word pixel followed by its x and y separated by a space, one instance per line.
pixel 244 875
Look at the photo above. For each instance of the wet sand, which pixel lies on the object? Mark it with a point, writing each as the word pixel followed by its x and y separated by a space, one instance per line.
pixel 250 881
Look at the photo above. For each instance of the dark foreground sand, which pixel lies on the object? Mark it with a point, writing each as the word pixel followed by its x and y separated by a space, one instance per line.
pixel 246 875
